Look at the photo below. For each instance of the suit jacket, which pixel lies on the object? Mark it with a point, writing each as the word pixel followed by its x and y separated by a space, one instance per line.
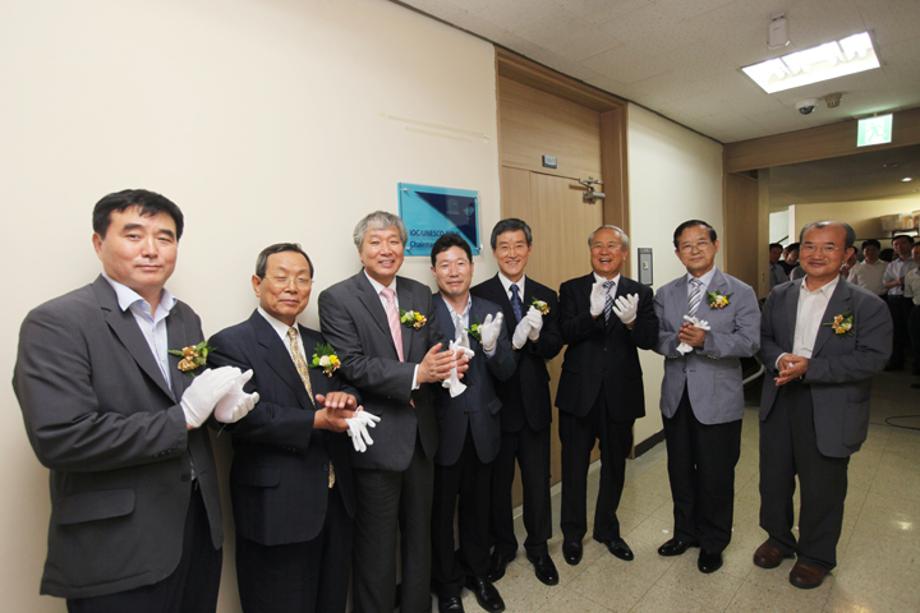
pixel 354 321
pixel 279 477
pixel 712 375
pixel 841 367
pixel 525 395
pixel 603 358
pixel 101 417
pixel 477 408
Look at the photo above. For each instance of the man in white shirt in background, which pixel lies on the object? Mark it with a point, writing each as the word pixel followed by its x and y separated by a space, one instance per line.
pixel 912 293
pixel 868 273
pixel 897 303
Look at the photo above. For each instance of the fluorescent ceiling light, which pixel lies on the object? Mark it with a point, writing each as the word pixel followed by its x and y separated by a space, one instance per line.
pixel 828 61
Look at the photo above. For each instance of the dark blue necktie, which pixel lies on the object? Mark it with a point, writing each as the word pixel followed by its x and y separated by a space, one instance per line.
pixel 516 305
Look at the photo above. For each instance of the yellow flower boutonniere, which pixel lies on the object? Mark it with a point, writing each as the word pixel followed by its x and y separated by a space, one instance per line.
pixel 718 300
pixel 540 306
pixel 193 357
pixel 324 357
pixel 473 331
pixel 842 324
pixel 413 319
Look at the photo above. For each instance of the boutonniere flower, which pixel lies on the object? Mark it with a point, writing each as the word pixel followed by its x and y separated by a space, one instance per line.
pixel 324 357
pixel 413 319
pixel 718 300
pixel 540 306
pixel 473 331
pixel 842 324
pixel 193 357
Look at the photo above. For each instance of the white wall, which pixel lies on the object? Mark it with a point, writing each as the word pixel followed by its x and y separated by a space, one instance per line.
pixel 264 120
pixel 674 175
pixel 863 215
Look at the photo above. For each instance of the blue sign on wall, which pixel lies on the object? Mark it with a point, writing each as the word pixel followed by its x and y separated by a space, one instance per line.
pixel 429 212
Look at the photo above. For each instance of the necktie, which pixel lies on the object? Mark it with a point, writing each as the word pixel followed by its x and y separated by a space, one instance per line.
pixel 516 304
pixel 608 302
pixel 389 296
pixel 695 297
pixel 304 372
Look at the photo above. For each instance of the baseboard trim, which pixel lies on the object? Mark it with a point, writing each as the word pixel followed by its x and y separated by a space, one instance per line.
pixel 648 443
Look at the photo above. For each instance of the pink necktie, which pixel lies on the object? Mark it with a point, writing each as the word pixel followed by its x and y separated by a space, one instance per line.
pixel 389 296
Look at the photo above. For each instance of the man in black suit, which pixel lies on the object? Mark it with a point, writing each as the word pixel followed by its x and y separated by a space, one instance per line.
pixel 291 482
pixel 381 327
pixel 526 413
pixel 604 318
pixel 135 512
pixel 469 430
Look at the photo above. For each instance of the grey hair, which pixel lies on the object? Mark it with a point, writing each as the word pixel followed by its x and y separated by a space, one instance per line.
pixel 378 220
pixel 850 238
pixel 623 236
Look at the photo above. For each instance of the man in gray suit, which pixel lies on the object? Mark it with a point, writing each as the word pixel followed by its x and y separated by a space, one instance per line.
pixel 135 514
pixel 702 395
pixel 822 341
pixel 469 429
pixel 382 329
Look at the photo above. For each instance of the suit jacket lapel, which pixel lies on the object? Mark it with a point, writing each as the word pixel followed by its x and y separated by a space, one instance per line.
pixel 679 302
pixel 371 302
pixel 125 328
pixel 277 356
pixel 838 305
pixel 499 296
pixel 791 308
pixel 406 303
pixel 177 338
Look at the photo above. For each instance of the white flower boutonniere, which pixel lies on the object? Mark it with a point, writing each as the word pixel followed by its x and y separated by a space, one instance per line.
pixel 412 319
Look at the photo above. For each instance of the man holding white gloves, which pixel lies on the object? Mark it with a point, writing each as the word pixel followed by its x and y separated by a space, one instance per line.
pixel 604 318
pixel 291 481
pixel 531 314
pixel 115 415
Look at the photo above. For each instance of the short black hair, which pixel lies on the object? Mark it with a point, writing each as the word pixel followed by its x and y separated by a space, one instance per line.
pixel 871 242
pixel 694 222
pixel 511 224
pixel 775 245
pixel 909 239
pixel 262 260
pixel 791 247
pixel 149 202
pixel 446 241
pixel 849 232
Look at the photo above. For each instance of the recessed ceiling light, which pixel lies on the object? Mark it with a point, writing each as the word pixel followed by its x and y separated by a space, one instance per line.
pixel 828 61
pixel 907 179
pixel 891 164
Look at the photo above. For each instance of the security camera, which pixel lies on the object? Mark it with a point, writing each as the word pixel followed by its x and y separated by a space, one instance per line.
pixel 806 106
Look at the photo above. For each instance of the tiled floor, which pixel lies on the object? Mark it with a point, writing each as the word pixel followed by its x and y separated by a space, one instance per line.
pixel 879 550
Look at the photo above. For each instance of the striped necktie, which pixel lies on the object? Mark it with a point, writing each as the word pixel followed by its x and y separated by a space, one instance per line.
pixel 516 305
pixel 695 297
pixel 608 301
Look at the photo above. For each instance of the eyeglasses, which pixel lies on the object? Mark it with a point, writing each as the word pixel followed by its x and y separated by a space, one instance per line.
pixel 689 247
pixel 299 282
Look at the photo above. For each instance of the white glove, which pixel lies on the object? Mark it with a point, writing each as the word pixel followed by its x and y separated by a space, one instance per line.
pixel 489 331
pixel 535 318
pixel 702 324
pixel 358 429
pixel 521 333
pixel 598 298
pixel 199 398
pixel 453 383
pixel 626 307
pixel 236 404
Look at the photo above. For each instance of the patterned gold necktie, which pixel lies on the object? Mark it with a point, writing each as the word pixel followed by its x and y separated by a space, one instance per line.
pixel 304 372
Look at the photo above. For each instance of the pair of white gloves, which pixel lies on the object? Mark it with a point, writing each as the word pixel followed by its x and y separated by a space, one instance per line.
pixel 624 307
pixel 684 348
pixel 218 391
pixel 358 429
pixel 452 383
pixel 528 328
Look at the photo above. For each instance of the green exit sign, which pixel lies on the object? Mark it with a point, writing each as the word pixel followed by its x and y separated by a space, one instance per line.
pixel 874 131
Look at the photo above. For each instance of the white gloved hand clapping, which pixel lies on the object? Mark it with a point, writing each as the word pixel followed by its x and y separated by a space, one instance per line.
pixel 199 398
pixel 598 298
pixel 489 331
pixel 453 384
pixel 358 429
pixel 521 333
pixel 626 307
pixel 236 404
pixel 702 324
pixel 535 317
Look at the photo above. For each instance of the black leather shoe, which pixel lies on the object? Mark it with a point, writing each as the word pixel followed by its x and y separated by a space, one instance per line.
pixel 709 562
pixel 544 568
pixel 486 594
pixel 498 564
pixel 571 551
pixel 620 549
pixel 451 604
pixel 676 546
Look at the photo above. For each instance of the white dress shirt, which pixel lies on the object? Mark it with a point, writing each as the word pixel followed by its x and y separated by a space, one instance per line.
pixel 809 313
pixel 507 283
pixel 152 325
pixel 869 276
pixel 281 329
pixel 602 280
pixel 896 269
pixel 378 287
pixel 706 279
pixel 912 286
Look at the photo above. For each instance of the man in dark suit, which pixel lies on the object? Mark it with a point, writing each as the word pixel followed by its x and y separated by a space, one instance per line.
pixel 702 393
pixel 526 413
pixel 291 482
pixel 469 430
pixel 823 339
pixel 135 513
pixel 381 328
pixel 604 317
